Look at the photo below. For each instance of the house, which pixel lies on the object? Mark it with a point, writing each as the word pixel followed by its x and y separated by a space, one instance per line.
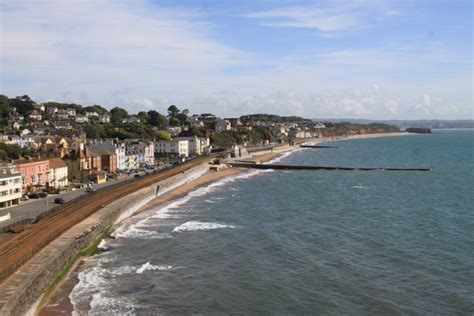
pixel 92 114
pixel 104 118
pixel 34 174
pixel 62 115
pixel 58 175
pixel 222 125
pixel 177 147
pixel 16 125
pixel 71 112
pixel 73 134
pixel 81 119
pixel 83 165
pixel 196 145
pixel 131 119
pixel 118 148
pixel 52 110
pixel 148 150
pixel 62 124
pixel 234 122
pixel 36 115
pixel 39 107
pixel 10 185
pixel 108 157
pixel 131 157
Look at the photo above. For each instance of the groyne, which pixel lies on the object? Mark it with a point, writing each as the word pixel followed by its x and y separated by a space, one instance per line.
pixel 303 167
pixel 24 288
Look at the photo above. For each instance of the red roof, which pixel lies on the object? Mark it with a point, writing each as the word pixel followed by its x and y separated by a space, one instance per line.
pixel 56 163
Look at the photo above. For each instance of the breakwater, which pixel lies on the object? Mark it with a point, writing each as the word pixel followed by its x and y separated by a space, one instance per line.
pixel 303 167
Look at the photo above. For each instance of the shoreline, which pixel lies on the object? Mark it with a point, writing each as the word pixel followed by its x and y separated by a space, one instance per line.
pixel 58 299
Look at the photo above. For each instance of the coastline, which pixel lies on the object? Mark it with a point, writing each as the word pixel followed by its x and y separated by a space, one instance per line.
pixel 58 299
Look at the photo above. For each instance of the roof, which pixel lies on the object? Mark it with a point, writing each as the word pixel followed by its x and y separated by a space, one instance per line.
pixel 8 170
pixel 56 163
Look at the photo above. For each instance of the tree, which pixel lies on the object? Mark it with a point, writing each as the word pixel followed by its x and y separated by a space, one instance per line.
pixel 23 105
pixel 92 132
pixel 172 111
pixel 156 119
pixel 164 135
pixel 12 151
pixel 3 155
pixel 118 115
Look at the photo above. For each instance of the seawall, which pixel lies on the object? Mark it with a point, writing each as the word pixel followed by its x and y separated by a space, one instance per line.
pixel 20 293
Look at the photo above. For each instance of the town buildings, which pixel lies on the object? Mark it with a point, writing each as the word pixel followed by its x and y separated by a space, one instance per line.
pixel 176 147
pixel 10 185
pixel 34 174
pixel 58 175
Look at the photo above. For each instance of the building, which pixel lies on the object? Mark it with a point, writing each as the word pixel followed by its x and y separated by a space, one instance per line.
pixel 36 115
pixel 146 149
pixel 196 145
pixel 92 114
pixel 104 118
pixel 175 147
pixel 222 125
pixel 118 148
pixel 82 119
pixel 58 175
pixel 71 112
pixel 234 122
pixel 10 185
pixel 131 157
pixel 84 165
pixel 62 115
pixel 107 156
pixel 34 174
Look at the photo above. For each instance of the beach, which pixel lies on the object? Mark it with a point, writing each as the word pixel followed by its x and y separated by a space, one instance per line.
pixel 58 300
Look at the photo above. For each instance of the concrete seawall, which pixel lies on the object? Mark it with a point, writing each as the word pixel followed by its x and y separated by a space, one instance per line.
pixel 20 292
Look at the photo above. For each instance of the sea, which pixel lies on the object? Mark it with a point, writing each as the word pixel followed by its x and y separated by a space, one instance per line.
pixel 304 242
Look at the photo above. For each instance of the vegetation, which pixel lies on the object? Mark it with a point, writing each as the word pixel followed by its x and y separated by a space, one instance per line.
pixel 272 118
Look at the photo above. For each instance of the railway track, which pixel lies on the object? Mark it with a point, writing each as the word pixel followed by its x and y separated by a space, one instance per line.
pixel 19 249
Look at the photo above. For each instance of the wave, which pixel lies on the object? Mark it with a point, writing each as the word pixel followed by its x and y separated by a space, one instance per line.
pixel 148 266
pixel 360 187
pixel 195 225
pixel 133 232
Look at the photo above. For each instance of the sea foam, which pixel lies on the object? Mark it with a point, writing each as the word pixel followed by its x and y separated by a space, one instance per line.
pixel 195 225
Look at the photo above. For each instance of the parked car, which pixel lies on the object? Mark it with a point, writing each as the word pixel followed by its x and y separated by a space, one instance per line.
pixel 34 195
pixel 91 189
pixel 43 195
pixel 59 201
pixel 25 197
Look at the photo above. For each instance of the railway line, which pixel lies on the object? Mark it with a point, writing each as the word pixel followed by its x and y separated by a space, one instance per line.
pixel 25 244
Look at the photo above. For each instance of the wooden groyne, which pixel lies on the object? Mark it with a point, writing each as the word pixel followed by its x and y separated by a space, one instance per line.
pixel 303 167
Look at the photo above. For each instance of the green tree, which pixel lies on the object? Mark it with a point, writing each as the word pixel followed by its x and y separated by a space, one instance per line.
pixel 23 105
pixel 118 115
pixel 156 119
pixel 3 155
pixel 92 132
pixel 164 135
pixel 172 111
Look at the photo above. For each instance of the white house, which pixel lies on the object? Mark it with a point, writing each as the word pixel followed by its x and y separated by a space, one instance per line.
pixel 10 185
pixel 92 114
pixel 131 158
pixel 196 145
pixel 104 118
pixel 58 174
pixel 174 146
pixel 82 119
pixel 71 112
pixel 36 115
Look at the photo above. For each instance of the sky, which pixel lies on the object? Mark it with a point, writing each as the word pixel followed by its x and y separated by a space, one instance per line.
pixel 375 59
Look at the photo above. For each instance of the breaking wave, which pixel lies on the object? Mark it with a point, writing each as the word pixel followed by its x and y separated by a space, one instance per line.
pixel 195 225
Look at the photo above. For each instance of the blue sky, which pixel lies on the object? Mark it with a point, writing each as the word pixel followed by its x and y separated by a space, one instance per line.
pixel 376 59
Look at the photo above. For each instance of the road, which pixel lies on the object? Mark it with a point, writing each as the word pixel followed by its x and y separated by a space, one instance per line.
pixel 34 207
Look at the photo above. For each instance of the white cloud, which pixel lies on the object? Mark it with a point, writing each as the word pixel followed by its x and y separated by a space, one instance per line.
pixel 142 56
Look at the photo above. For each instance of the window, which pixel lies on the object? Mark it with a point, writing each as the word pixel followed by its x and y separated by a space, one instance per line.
pixel 4 182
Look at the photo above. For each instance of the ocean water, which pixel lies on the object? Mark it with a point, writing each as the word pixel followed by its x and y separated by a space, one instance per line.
pixel 304 242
